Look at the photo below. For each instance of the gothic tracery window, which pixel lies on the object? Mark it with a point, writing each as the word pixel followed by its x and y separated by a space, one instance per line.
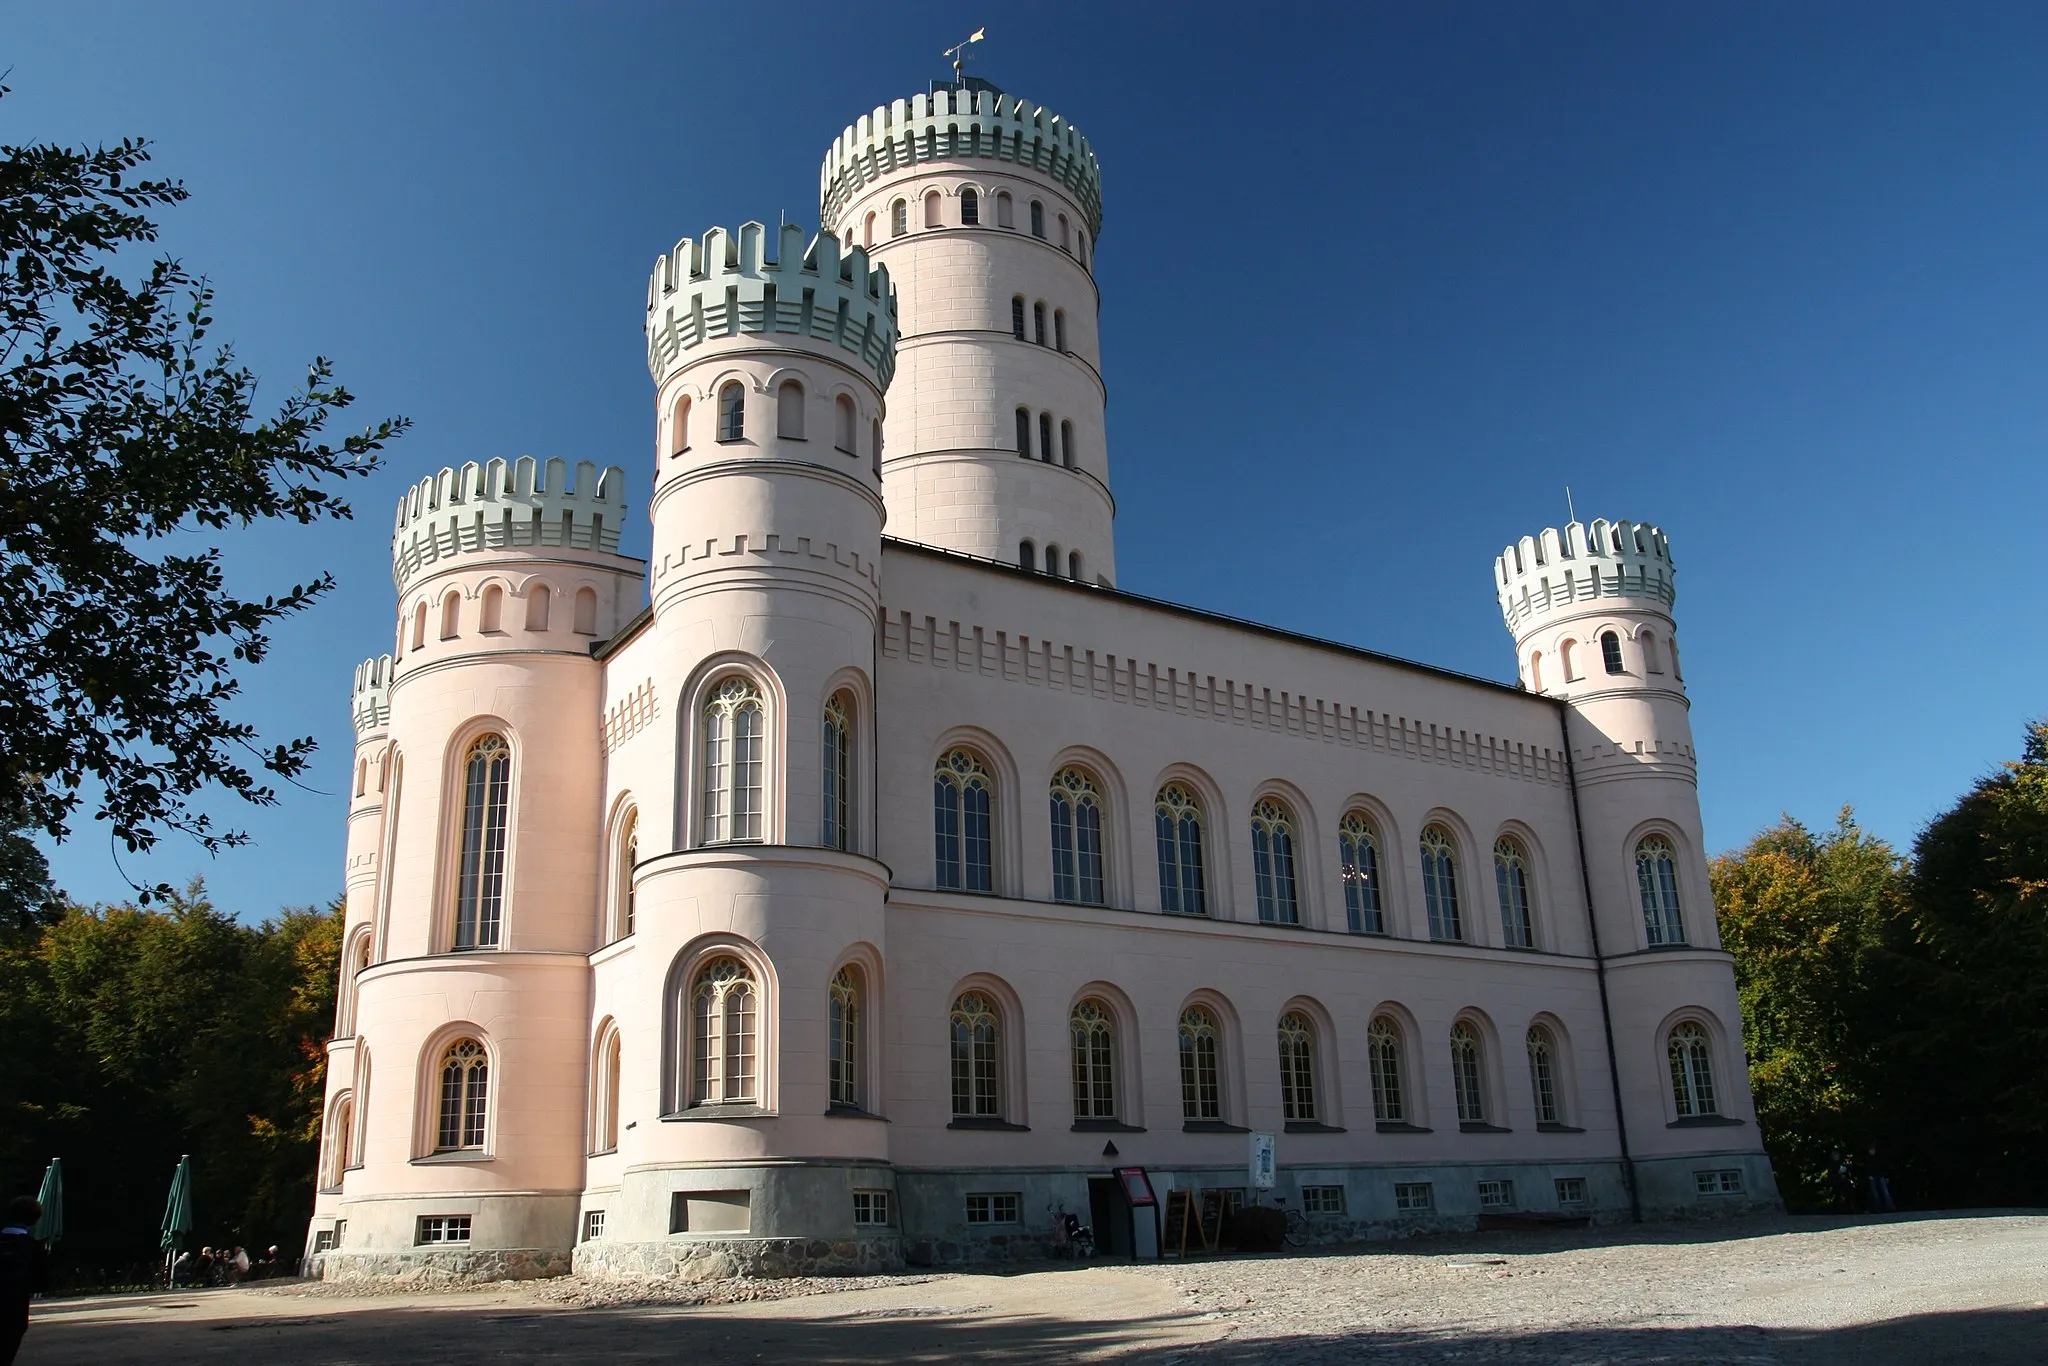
pixel 1201 1088
pixel 963 800
pixel 480 868
pixel 723 1014
pixel 1358 851
pixel 1383 1061
pixel 1297 1068
pixel 465 1097
pixel 1440 883
pixel 1076 838
pixel 843 1039
pixel 977 1085
pixel 1692 1072
pixel 1468 1074
pixel 1177 826
pixel 733 737
pixel 1273 872
pixel 1094 1040
pixel 1543 1075
pixel 1511 878
pixel 837 778
pixel 1657 884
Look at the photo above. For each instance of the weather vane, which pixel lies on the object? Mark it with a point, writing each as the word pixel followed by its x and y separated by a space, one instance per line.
pixel 957 53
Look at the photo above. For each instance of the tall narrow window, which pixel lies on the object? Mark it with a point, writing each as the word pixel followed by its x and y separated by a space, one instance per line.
pixel 334 1157
pixel 1045 442
pixel 604 1096
pixel 733 726
pixel 465 1097
pixel 977 1088
pixel 867 231
pixel 1065 243
pixel 1083 236
pixel 899 218
pixel 962 812
pixel 1297 1068
pixel 1647 643
pixel 1005 216
pixel 1543 1075
pixel 419 627
pixel 1017 317
pixel 1468 1076
pixel 1440 884
pixel 1027 555
pixel 679 426
pixel 1177 828
pixel 1610 651
pixel 723 1012
pixel 1038 322
pixel 932 201
pixel 1692 1072
pixel 845 423
pixel 1273 864
pixel 1059 329
pixel 1094 1037
pixel 1383 1061
pixel 1024 432
pixel 732 412
pixel 789 411
pixel 539 599
pixel 1201 1088
pixel 1657 883
pixel 1567 657
pixel 1358 854
pixel 491 619
pixel 1076 838
pixel 1511 879
pixel 838 756
pixel 1052 559
pixel 970 209
pixel 842 1043
pixel 1074 565
pixel 451 616
pixel 480 872
pixel 1067 444
pixel 1037 219
pixel 1536 671
pixel 622 876
pixel 586 611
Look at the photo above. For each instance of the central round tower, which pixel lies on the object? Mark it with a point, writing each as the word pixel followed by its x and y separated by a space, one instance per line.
pixel 986 208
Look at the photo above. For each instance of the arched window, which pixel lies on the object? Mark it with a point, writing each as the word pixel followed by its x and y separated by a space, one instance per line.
pixel 1065 243
pixel 1383 1061
pixel 977 1079
pixel 1074 565
pixel 451 615
pixel 1273 863
pixel 1024 432
pixel 842 1041
pixel 1094 1035
pixel 722 1013
pixel 1027 555
pixel 1045 439
pixel 838 778
pixel 1692 1072
pixel 789 410
pixel 1511 878
pixel 733 727
pixel 352 967
pixel 1676 672
pixel 1052 559
pixel 1468 1073
pixel 419 627
pixel 732 411
pixel 604 1096
pixel 1177 827
pixel 1657 882
pixel 465 1097
pixel 1201 1086
pixel 1610 651
pixel 679 427
pixel 491 619
pixel 1067 444
pixel 586 611
pixel 1038 322
pixel 931 209
pixel 845 424
pixel 1648 644
pixel 1536 671
pixel 867 231
pixel 1037 219
pixel 970 209
pixel 1005 216
pixel 1440 883
pixel 899 218
pixel 334 1160
pixel 622 873
pixel 1297 1068
pixel 538 599
pixel 1358 853
pixel 1017 317
pixel 480 870
pixel 875 444
pixel 1083 236
pixel 1567 656
pixel 1059 329
pixel 1543 1075
pixel 963 801
pixel 1076 838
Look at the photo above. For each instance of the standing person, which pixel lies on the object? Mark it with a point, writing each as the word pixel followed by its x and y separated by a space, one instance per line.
pixel 1880 1185
pixel 1843 1183
pixel 238 1266
pixel 24 1272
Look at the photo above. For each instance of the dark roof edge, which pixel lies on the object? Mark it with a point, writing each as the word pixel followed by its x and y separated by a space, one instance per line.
pixel 619 639
pixel 1214 618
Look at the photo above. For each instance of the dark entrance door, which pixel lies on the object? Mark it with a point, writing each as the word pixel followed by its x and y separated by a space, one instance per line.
pixel 1110 1216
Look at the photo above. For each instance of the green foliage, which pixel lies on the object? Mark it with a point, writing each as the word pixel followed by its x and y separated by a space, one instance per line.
pixel 137 1034
pixel 121 424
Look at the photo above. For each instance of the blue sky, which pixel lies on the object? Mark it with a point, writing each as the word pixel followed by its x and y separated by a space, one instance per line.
pixel 1769 275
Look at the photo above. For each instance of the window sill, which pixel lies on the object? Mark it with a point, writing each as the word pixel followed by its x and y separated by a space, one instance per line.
pixel 1310 1126
pixel 1706 1122
pixel 605 1152
pixel 715 1112
pixel 1549 1128
pixel 1399 1126
pixel 328 1190
pixel 1480 1126
pixel 1106 1126
pixel 459 1157
pixel 1001 1126
pixel 854 1112
pixel 1212 1126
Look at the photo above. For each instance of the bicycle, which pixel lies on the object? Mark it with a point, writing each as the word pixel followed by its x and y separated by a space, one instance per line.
pixel 1070 1237
pixel 1297 1224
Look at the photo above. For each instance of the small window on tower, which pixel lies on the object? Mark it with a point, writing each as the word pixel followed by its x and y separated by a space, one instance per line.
pixel 732 412
pixel 931 209
pixel 1059 330
pixel 1038 322
pixel 899 218
pixel 1065 244
pixel 1017 317
pixel 1045 437
pixel 1037 219
pixel 789 411
pixel 679 426
pixel 1024 432
pixel 970 209
pixel 847 422
pixel 1067 444
pixel 1006 216
pixel 1027 555
pixel 1610 652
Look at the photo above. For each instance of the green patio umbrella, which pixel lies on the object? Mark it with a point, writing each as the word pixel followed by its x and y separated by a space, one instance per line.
pixel 50 1227
pixel 178 1209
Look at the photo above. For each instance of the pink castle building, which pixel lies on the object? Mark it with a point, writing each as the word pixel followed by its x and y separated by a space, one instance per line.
pixel 812 898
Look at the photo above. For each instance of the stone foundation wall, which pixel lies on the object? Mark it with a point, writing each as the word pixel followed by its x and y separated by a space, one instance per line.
pixel 436 1267
pixel 712 1259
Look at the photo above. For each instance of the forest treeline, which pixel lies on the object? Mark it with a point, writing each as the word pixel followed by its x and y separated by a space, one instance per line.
pixel 134 1035
pixel 1901 1001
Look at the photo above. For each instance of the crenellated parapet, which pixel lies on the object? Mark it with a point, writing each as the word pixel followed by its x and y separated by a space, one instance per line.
pixel 724 284
pixel 507 504
pixel 370 700
pixel 1573 567
pixel 961 125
